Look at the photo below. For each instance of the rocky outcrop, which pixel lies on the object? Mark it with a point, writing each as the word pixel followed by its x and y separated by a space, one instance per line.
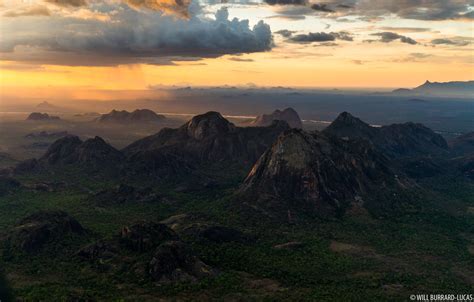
pixel 35 231
pixel 165 257
pixel 125 117
pixel 395 141
pixel 173 261
pixel 38 116
pixel 288 115
pixel 92 153
pixel 315 173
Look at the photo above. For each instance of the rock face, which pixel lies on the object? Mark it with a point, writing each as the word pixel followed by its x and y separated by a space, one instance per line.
pixel 137 116
pixel 397 140
pixel 94 153
pixel 209 138
pixel 315 172
pixel 37 116
pixel 288 115
pixel 173 261
pixel 40 228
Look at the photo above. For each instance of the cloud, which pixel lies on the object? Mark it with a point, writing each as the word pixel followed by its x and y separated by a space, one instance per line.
pixel 387 37
pixel 73 3
pixel 285 33
pixel 405 9
pixel 453 42
pixel 406 29
pixel 321 37
pixel 413 57
pixel 131 37
pixel 36 10
pixel 321 8
pixel 178 7
pixel 286 2
pixel 237 59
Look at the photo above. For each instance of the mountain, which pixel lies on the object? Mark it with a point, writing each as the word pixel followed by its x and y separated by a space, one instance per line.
pixel 92 153
pixel 397 140
pixel 288 115
pixel 315 173
pixel 38 116
pixel 210 138
pixel 137 116
pixel 447 89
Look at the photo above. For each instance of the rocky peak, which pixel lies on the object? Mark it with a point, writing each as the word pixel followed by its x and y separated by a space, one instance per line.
pixel 207 125
pixel 62 149
pixel 314 172
pixel 347 125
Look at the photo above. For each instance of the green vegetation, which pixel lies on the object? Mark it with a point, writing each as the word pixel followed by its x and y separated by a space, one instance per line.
pixel 420 245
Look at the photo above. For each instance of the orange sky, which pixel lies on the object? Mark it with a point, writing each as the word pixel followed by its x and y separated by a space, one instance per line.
pixel 354 63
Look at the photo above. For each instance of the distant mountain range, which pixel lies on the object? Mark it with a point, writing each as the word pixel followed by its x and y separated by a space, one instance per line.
pixel 446 89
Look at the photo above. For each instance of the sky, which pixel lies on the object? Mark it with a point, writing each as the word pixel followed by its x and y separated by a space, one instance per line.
pixel 88 49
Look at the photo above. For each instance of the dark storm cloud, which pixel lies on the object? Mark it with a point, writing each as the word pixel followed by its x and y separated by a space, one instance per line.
pixel 321 37
pixel 157 39
pixel 387 37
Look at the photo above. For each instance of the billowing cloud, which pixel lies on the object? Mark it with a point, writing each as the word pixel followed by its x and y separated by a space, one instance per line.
pixel 321 37
pixel 387 37
pixel 132 36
